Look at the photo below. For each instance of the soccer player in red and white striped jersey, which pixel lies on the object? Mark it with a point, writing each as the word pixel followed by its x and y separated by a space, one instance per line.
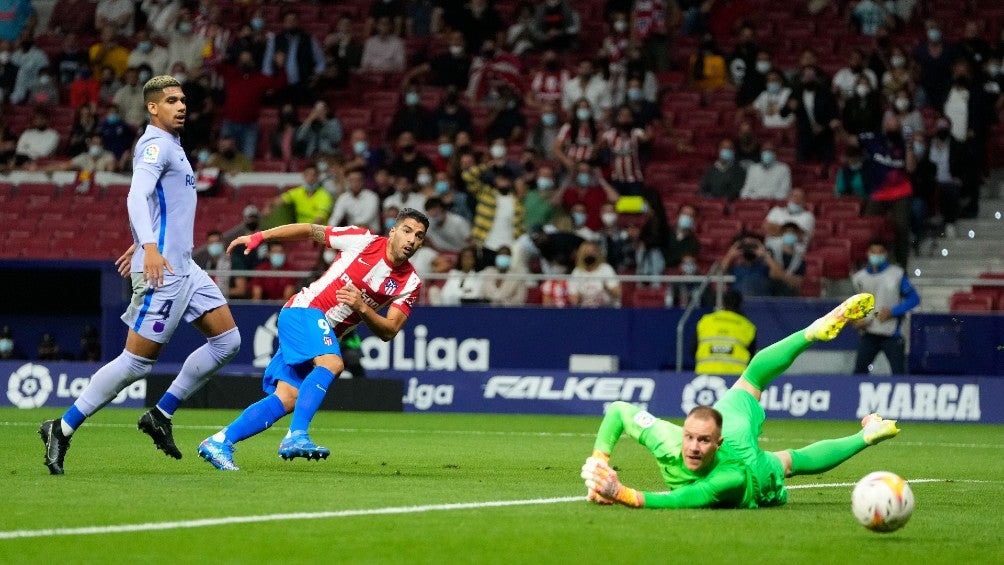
pixel 369 273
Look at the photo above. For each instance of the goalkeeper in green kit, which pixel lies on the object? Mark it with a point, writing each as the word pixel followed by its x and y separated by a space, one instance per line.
pixel 714 460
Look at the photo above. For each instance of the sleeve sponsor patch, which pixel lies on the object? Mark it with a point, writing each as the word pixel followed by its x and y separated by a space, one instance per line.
pixel 644 420
pixel 151 153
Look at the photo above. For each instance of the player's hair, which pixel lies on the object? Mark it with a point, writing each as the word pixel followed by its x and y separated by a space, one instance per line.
pixel 156 85
pixel 707 413
pixel 414 215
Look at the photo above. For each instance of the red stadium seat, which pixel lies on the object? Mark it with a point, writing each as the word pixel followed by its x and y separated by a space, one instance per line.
pixel 969 302
pixel 751 210
pixel 836 256
pixel 647 297
pixel 840 209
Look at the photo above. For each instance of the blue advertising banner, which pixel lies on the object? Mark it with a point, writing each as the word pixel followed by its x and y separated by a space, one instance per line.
pixel 672 395
pixel 48 384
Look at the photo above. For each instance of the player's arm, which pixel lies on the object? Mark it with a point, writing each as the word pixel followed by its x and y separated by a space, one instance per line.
pixel 144 182
pixel 289 232
pixel 722 488
pixel 384 327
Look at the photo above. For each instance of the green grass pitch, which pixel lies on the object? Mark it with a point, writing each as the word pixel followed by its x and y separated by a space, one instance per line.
pixel 115 477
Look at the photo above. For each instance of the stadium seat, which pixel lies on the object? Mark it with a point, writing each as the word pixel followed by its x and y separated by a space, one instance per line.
pixel 751 210
pixel 968 302
pixel 836 256
pixel 840 209
pixel 647 297
pixel 27 189
pixel 811 283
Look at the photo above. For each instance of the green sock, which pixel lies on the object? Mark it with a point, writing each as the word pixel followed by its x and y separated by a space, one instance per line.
pixel 771 361
pixel 824 455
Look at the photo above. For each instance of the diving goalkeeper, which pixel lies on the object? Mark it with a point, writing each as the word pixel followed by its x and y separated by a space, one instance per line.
pixel 714 459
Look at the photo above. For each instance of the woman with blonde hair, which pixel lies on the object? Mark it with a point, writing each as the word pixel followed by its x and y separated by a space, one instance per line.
pixel 593 281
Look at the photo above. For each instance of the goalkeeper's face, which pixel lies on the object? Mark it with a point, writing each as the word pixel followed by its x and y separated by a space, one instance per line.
pixel 701 439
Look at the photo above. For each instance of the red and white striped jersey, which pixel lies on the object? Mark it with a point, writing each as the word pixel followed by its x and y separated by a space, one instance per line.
pixel 362 260
pixel 550 85
pixel 578 144
pixel 625 165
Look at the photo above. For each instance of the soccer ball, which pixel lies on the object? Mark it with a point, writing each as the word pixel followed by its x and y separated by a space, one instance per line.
pixel 882 501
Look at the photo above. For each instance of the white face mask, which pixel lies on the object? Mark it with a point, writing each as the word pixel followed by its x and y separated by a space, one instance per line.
pixel 862 90
pixel 497 151
pixel 609 219
pixel 620 26
pixel 902 104
pixel 762 67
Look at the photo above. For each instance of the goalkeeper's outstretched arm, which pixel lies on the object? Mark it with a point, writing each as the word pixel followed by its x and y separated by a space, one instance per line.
pixel 723 489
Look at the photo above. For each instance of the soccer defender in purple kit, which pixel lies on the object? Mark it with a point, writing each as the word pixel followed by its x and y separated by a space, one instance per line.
pixel 168 286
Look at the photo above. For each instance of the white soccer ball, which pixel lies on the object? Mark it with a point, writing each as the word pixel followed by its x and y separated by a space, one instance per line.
pixel 882 501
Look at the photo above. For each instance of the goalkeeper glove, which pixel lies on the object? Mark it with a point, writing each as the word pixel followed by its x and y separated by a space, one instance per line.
pixel 602 479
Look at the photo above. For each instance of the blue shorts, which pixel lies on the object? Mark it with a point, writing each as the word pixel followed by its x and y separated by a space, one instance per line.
pixel 156 313
pixel 304 334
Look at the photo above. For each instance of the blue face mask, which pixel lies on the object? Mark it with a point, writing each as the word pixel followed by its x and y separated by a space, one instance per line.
pixel 789 239
pixel 583 114
pixel 6 345
pixel 277 260
pixel 934 34
pixel 112 118
pixel 185 27
pixel 360 147
pixel 634 94
pixel 215 248
pixel 688 268
pixel 727 155
pixel 579 218
pixel 795 208
pixel 768 158
pixel 773 87
pixel 442 186
pixel 257 24
pixel 389 223
pixel 876 260
pixel 144 46
pixel 583 179
pixel 502 262
pixel 411 99
pixel 545 183
pixel 685 222
pixel 203 156
pixel 548 119
pixel 445 150
pixel 918 148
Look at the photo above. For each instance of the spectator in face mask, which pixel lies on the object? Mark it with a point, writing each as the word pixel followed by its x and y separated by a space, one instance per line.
pixel 725 177
pixel 147 52
pixel 588 188
pixel 579 228
pixel 447 231
pixel 593 282
pixel 412 117
pixel 770 103
pixel 852 176
pixel 228 159
pixel 613 239
pixel 786 260
pixel 683 239
pixel 794 211
pixel 273 288
pixel 862 110
pixel 311 202
pixel 501 291
pixel 217 260
pixel 769 178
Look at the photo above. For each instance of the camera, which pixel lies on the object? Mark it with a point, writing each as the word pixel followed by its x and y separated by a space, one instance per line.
pixel 748 249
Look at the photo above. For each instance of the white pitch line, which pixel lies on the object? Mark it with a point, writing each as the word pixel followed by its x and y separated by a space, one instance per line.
pixel 153 526
pixel 900 443
pixel 225 521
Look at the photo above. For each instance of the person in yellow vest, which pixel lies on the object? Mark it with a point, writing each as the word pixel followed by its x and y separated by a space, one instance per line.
pixel 726 340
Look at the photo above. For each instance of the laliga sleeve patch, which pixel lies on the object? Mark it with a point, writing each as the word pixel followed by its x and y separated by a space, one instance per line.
pixel 151 153
pixel 644 420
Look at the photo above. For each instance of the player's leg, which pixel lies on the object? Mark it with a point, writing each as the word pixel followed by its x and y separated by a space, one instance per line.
pixel 297 441
pixel 281 382
pixel 772 361
pixel 824 455
pixel 204 307
pixel 134 363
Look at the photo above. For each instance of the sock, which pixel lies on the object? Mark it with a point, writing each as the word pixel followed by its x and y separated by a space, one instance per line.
pixel 824 455
pixel 255 419
pixel 775 359
pixel 71 421
pixel 168 404
pixel 312 392
pixel 200 366
pixel 104 387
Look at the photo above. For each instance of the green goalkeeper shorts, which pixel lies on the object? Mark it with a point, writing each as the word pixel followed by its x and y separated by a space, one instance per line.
pixel 742 422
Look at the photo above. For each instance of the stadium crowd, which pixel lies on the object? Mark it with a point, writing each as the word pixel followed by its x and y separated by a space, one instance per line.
pixel 579 140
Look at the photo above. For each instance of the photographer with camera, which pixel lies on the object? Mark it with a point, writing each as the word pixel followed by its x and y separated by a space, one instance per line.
pixel 757 272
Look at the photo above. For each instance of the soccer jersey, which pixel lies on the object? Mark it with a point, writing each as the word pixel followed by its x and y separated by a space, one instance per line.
pixel 164 180
pixel 626 165
pixel 363 262
pixel 580 142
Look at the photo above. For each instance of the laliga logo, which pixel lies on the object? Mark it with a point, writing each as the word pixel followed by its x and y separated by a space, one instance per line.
pixel 704 390
pixel 264 338
pixel 29 386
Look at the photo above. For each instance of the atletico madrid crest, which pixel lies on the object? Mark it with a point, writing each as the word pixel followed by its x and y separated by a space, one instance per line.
pixel 327 341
